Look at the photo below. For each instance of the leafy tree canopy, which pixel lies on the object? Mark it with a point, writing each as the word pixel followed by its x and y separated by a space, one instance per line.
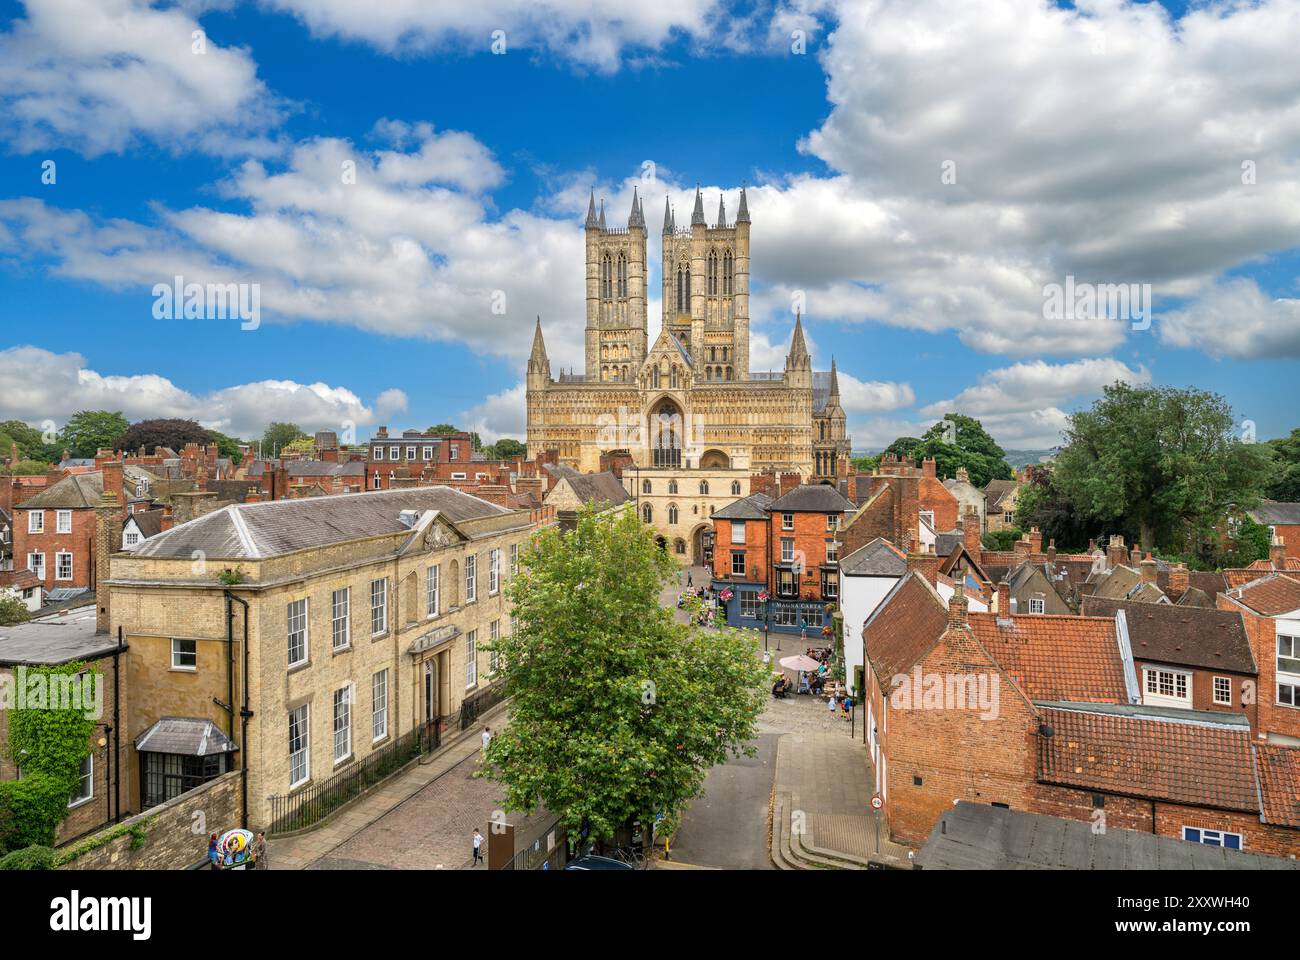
pixel 618 710
pixel 278 436
pixel 1284 484
pixel 302 445
pixel 171 433
pixel 505 449
pixel 964 444
pixel 12 610
pixel 89 430
pixel 30 442
pixel 1161 463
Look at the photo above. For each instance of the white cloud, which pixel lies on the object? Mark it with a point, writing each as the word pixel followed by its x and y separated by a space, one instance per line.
pixel 872 396
pixel 594 33
pixel 1236 319
pixel 500 415
pixel 1020 405
pixel 95 75
pixel 40 385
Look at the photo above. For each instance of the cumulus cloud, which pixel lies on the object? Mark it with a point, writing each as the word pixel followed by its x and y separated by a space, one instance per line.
pixel 872 396
pixel 41 385
pixel 1020 405
pixel 1236 319
pixel 96 75
pixel 500 415
pixel 594 33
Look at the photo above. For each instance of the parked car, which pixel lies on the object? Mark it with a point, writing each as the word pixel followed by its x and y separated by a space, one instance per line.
pixel 593 862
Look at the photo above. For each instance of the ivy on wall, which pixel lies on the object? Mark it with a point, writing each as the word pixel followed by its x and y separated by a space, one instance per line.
pixel 48 739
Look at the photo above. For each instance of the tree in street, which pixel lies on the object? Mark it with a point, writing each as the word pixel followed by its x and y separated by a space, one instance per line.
pixel 618 711
pixel 87 431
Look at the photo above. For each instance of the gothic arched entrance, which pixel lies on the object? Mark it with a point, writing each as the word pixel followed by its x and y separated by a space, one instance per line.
pixel 667 433
pixel 714 460
pixel 702 546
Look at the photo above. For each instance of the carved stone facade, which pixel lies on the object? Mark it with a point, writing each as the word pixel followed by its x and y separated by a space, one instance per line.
pixel 689 400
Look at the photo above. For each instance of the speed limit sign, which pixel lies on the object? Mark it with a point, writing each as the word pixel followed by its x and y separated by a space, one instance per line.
pixel 877 802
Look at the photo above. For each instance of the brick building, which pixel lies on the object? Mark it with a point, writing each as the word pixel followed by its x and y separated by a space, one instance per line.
pixel 1270 607
pixel 1283 522
pixel 416 455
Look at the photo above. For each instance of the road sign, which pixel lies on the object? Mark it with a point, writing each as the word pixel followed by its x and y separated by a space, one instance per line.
pixel 877 802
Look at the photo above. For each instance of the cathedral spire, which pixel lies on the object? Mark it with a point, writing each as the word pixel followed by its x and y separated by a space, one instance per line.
pixel 798 349
pixel 742 215
pixel 591 210
pixel 601 221
pixel 538 362
pixel 722 211
pixel 697 215
pixel 835 381
pixel 669 225
pixel 636 218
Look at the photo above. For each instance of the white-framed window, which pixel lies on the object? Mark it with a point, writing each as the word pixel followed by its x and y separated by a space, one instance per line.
pixel 749 604
pixel 787 521
pixel 832 521
pixel 494 571
pixel 1037 605
pixel 1167 687
pixel 185 654
pixel 1008 517
pixel 299 744
pixel 376 481
pixel 432 591
pixel 514 559
pixel 85 788
pixel 297 617
pixel 471 658
pixel 1288 669
pixel 738 531
pixel 35 521
pixel 341 618
pixel 36 564
pixel 787 549
pixel 1223 691
pixel 494 658
pixel 452 452
pixel 927 517
pixel 378 454
pixel 471 578
pixel 1213 838
pixel 394 452
pixel 130 539
pixel 737 563
pixel 458 476
pixel 832 551
pixel 342 723
pixel 410 453
pixel 63 521
pixel 379 705
pixel 378 606
pixel 63 565
pixel 428 453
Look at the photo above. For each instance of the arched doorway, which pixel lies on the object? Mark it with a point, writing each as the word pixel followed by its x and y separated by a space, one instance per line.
pixel 667 430
pixel 661 543
pixel 714 460
pixel 702 546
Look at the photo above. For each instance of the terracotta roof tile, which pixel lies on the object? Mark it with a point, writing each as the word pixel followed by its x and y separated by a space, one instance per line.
pixel 1185 636
pixel 1272 595
pixel 1056 657
pixel 908 622
pixel 1279 783
pixel 1180 761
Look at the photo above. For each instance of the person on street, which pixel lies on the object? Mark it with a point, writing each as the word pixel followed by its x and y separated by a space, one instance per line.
pixel 487 738
pixel 478 849
pixel 259 853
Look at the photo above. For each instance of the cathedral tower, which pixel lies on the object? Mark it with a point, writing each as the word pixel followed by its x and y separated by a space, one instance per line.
pixel 616 294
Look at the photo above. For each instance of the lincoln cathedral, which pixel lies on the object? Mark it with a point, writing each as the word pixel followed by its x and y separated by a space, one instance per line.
pixel 689 400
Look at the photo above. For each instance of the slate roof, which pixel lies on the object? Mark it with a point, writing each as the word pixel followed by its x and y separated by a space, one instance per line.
pixel 1272 595
pixel 1190 637
pixel 812 498
pixel 904 627
pixel 821 390
pixel 995 490
pixel 752 507
pixel 598 488
pixel 81 490
pixel 1118 583
pixel 1194 597
pixel 309 468
pixel 878 558
pixel 54 640
pixel 149 522
pixel 190 736
pixel 259 530
pixel 974 836
pixel 1276 513
pixel 1054 657
pixel 1199 759
pixel 1279 783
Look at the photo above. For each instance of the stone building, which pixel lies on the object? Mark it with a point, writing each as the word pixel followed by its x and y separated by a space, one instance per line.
pixel 367 615
pixel 689 399
pixel 680 504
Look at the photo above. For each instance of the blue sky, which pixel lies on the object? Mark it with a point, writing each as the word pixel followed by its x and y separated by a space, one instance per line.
pixel 474 169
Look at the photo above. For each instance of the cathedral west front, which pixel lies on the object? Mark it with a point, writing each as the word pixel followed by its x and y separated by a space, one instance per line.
pixel 689 400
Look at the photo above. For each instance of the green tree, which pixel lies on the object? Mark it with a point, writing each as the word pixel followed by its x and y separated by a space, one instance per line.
pixel 1284 484
pixel 1161 463
pixel 278 436
pixel 618 711
pixel 1249 542
pixel 442 430
pixel 228 447
pixel 505 449
pixel 29 468
pixel 88 431
pixel 12 610
pixel 904 448
pixel 30 442
pixel 864 464
pixel 304 445
pixel 964 444
pixel 1041 504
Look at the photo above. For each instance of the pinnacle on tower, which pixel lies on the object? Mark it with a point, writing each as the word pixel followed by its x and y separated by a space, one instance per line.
pixel 636 218
pixel 538 359
pixel 722 211
pixel 742 215
pixel 669 225
pixel 835 380
pixel 697 215
pixel 591 210
pixel 601 221
pixel 798 349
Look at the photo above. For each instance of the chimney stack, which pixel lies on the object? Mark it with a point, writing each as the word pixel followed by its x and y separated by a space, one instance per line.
pixel 928 467
pixel 1178 581
pixel 957 607
pixel 925 563
pixel 168 521
pixel 1004 600
pixel 111 473
pixel 1115 553
pixel 1135 555
pixel 970 532
pixel 1035 541
pixel 1051 551
pixel 1277 553
pixel 108 540
pixel 1148 570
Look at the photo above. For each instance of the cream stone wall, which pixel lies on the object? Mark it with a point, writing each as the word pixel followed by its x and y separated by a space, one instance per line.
pixel 694 506
pixel 156 599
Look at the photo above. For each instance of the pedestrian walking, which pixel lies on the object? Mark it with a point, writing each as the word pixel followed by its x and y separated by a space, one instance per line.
pixel 487 738
pixel 259 853
pixel 478 849
pixel 214 860
pixel 690 581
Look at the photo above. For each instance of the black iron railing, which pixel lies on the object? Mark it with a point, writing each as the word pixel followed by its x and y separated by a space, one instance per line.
pixel 314 802
pixel 480 703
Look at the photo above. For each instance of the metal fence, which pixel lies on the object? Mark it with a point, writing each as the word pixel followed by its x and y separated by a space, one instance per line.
pixel 550 846
pixel 476 706
pixel 299 810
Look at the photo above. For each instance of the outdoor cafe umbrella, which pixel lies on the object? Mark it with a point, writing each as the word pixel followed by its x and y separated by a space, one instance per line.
pixel 800 662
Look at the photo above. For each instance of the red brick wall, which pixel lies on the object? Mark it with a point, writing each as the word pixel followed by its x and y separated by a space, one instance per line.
pixel 933 495
pixel 1290 534
pixel 810 536
pixel 957 754
pixel 1271 716
pixel 1121 813
pixel 756 549
pixel 80 543
pixel 1203 691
